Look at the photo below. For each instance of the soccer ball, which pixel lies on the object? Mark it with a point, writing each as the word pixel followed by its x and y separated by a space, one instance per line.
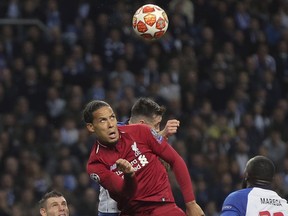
pixel 150 22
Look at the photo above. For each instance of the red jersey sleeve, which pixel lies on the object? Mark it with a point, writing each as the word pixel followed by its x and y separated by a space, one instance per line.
pixel 161 147
pixel 120 188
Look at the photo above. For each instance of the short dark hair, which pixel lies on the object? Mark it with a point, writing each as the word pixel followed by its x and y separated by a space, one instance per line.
pixel 90 108
pixel 260 170
pixel 48 195
pixel 146 107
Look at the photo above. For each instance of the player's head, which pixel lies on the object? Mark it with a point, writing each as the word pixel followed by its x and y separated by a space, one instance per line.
pixel 259 172
pixel 53 203
pixel 147 111
pixel 101 120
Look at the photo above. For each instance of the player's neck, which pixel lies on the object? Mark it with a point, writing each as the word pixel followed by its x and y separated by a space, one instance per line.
pixel 107 145
pixel 260 184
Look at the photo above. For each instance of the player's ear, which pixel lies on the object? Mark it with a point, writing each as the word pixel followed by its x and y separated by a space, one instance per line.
pixel 42 212
pixel 142 121
pixel 90 127
pixel 245 182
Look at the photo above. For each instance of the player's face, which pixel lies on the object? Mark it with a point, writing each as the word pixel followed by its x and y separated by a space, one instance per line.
pixel 55 206
pixel 104 126
pixel 155 122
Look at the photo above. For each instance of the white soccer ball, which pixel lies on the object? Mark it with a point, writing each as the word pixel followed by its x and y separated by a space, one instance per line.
pixel 150 22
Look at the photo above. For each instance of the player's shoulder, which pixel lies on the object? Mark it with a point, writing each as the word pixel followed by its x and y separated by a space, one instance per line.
pixel 235 202
pixel 238 195
pixel 135 131
pixel 98 152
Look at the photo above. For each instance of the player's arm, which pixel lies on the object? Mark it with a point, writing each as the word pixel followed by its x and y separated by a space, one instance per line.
pixel 170 128
pixel 160 146
pixel 233 204
pixel 119 188
pixel 184 180
pixel 192 208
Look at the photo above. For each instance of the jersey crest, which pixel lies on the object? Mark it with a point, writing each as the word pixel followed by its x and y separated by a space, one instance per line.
pixel 135 149
pixel 95 177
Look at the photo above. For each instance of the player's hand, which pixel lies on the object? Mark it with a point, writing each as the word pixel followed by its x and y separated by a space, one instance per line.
pixel 170 128
pixel 193 209
pixel 124 166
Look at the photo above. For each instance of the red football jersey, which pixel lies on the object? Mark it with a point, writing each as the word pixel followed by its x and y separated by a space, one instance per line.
pixel 141 146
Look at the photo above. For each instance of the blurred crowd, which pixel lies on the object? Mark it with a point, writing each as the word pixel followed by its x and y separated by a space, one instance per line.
pixel 221 69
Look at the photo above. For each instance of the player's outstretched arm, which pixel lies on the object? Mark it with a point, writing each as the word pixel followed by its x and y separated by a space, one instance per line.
pixel 193 209
pixel 129 185
pixel 184 180
pixel 170 128
pixel 124 166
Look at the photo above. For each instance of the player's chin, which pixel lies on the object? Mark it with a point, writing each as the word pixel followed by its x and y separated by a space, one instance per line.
pixel 112 140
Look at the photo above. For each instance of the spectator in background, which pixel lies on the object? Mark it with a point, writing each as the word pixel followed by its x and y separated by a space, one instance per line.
pixel 220 91
pixel 121 71
pixel 32 10
pixel 283 175
pixel 3 61
pixel 261 121
pixel 9 189
pixel 273 90
pixel 55 104
pixel 52 14
pixel 113 47
pixel 225 186
pixel 242 16
pixel 253 137
pixel 274 31
pixel 263 61
pixel 68 132
pixel 4 206
pixel 184 8
pixel 27 201
pixel 254 34
pixel 281 59
pixel 275 147
pixel 88 204
pixel 23 111
pixel 219 127
pixel 96 70
pixel 9 41
pixel 168 90
pixel 211 209
pixel 97 90
pixel 283 12
pixel 13 9
pixel 150 72
pixel 279 122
